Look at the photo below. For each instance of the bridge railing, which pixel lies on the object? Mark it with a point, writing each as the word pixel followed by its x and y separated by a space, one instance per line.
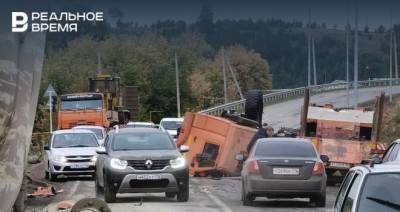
pixel 273 98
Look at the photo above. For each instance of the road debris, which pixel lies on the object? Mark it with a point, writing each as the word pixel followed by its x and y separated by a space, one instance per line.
pixel 44 192
pixel 92 204
pixel 64 205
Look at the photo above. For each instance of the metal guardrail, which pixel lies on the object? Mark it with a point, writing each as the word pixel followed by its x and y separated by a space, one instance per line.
pixel 273 98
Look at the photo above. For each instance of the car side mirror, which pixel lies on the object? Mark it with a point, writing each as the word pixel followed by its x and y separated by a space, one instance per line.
pixel 46 147
pixel 240 157
pixel 324 158
pixel 101 150
pixel 183 148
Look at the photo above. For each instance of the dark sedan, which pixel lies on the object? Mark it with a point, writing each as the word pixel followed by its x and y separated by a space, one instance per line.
pixel 284 168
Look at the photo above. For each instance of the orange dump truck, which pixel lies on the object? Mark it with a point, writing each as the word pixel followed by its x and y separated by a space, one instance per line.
pixel 214 143
pixel 346 136
pixel 82 109
pixel 107 103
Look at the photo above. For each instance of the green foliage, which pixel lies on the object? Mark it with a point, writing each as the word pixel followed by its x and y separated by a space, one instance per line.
pixel 147 61
pixel 143 55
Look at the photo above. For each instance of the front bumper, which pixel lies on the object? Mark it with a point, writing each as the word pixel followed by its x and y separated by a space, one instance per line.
pixel 126 181
pixel 286 188
pixel 69 168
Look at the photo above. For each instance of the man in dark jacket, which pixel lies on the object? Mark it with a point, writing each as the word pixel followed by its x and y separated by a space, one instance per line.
pixel 263 132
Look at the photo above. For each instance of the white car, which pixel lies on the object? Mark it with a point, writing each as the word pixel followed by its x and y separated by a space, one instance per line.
pixel 141 125
pixel 171 126
pixel 70 152
pixel 100 132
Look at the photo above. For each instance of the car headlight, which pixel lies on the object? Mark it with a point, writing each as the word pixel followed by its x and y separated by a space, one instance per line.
pixel 94 158
pixel 118 164
pixel 177 163
pixel 60 158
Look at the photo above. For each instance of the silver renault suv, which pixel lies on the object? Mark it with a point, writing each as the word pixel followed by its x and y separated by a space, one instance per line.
pixel 70 152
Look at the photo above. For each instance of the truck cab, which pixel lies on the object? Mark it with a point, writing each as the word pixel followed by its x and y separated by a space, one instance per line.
pixel 82 109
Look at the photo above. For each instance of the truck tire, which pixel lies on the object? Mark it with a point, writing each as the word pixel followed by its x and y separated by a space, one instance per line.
pixel 254 106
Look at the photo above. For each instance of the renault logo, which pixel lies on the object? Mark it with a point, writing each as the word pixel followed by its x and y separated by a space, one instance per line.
pixel 286 161
pixel 148 164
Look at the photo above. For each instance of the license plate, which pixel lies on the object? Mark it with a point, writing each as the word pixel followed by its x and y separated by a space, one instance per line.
pixel 285 171
pixel 148 177
pixel 339 165
pixel 79 166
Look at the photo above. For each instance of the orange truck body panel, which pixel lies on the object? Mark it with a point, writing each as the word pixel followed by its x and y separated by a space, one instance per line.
pixel 338 135
pixel 200 131
pixel 71 118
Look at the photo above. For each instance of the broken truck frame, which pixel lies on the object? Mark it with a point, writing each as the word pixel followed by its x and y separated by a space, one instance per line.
pixel 346 136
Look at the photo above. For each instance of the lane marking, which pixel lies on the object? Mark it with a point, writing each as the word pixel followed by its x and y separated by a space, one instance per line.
pixel 224 207
pixel 73 189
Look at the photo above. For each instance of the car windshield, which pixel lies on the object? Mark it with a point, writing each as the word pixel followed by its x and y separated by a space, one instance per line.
pixel 81 104
pixel 98 132
pixel 142 141
pixel 171 125
pixel 284 149
pixel 381 193
pixel 67 140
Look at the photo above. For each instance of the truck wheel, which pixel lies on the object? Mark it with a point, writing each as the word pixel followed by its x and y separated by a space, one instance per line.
pixel 254 105
pixel 183 194
pixel 319 200
pixel 109 195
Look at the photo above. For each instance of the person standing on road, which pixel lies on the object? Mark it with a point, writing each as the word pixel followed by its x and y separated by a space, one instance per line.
pixel 263 132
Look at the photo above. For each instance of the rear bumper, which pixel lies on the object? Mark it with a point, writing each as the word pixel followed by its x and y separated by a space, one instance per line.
pixel 285 188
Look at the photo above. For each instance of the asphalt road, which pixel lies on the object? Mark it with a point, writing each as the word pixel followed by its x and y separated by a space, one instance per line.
pixel 209 194
pixel 206 194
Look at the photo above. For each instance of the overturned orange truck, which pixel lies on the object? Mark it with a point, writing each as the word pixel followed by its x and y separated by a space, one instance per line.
pixel 347 136
pixel 214 142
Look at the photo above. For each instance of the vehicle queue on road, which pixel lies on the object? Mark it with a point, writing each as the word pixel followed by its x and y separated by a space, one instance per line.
pixel 275 167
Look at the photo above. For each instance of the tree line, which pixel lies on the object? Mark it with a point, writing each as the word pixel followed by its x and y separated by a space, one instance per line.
pixel 258 50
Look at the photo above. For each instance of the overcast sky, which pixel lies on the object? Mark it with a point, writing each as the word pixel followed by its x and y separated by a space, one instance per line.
pixel 371 12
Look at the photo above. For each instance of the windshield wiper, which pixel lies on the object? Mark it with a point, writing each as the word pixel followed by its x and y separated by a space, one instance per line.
pixel 385 202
